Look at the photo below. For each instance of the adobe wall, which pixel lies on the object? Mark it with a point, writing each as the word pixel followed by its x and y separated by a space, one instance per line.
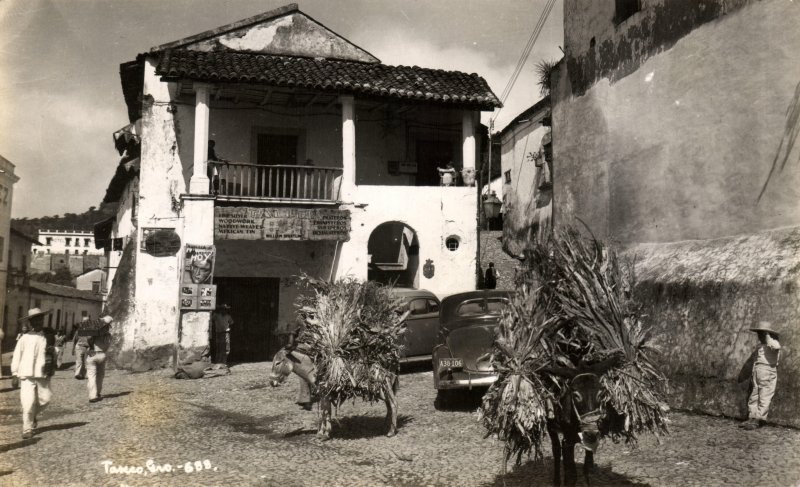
pixel 701 297
pixel 681 147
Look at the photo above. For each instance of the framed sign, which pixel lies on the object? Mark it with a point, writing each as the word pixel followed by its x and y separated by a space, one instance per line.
pixel 160 242
pixel 248 223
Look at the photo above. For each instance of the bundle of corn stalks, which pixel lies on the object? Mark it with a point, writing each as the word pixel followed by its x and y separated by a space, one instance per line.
pixel 353 331
pixel 574 314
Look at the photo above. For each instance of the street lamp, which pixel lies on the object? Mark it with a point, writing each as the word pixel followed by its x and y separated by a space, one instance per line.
pixel 491 207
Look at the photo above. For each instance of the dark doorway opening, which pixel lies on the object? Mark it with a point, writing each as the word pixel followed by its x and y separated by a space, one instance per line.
pixel 394 255
pixel 432 154
pixel 254 309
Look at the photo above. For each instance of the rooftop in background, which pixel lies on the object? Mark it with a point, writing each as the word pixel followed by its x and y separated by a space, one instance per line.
pixel 63 291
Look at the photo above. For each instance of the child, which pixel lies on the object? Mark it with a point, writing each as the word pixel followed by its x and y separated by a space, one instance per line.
pixel 765 375
pixel 30 364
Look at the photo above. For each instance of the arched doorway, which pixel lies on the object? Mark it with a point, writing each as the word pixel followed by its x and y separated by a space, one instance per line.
pixel 393 248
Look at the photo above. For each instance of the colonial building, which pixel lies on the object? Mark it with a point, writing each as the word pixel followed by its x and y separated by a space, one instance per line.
pixel 7 181
pixel 17 292
pixel 68 242
pixel 68 305
pixel 93 280
pixel 526 162
pixel 674 130
pixel 324 162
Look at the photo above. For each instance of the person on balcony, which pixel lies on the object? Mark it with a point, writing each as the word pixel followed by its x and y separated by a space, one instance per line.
pixel 213 169
pixel 447 176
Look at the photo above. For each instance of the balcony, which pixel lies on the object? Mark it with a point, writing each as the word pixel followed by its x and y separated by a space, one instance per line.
pixel 276 183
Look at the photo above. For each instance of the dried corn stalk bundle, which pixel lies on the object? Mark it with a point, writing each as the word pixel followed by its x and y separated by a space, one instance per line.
pixel 354 333
pixel 516 406
pixel 572 314
pixel 599 329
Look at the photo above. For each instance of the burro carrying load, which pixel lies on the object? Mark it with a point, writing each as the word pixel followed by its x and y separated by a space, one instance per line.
pixel 573 358
pixel 349 346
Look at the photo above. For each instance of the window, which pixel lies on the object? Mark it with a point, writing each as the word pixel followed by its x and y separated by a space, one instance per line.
pixel 48 251
pixel 433 306
pixel 508 176
pixel 69 242
pixel 58 317
pixel 49 240
pixel 418 306
pixel 625 8
pixel 37 303
pixel 452 243
pixel 86 242
pixel 85 252
pixel 76 251
pixel 479 307
pixel 96 287
pixel 84 314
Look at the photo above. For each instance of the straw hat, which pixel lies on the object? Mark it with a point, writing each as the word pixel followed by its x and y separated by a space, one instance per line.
pixel 33 313
pixel 765 326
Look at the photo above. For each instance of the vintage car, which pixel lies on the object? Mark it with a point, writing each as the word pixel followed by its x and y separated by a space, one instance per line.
pixel 422 323
pixel 467 325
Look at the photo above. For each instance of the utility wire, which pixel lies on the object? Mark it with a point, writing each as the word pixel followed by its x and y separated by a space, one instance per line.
pixel 525 53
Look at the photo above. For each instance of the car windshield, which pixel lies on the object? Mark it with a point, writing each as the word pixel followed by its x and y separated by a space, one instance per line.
pixel 480 307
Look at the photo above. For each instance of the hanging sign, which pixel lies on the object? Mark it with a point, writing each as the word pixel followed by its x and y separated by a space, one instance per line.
pixel 247 223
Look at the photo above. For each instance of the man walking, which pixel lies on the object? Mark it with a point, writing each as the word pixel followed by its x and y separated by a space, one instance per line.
pixel 765 375
pixel 221 322
pixel 99 342
pixel 30 364
pixel 80 346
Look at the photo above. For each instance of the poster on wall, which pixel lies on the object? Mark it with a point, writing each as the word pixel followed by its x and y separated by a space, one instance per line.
pixel 248 223
pixel 198 264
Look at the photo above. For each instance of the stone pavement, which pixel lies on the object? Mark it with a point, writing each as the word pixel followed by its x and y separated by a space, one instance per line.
pixel 236 430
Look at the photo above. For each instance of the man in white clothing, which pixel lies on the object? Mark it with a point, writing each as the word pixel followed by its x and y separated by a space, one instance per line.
pixel 31 364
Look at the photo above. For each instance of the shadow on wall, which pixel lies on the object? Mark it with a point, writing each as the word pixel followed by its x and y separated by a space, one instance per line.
pixel 788 140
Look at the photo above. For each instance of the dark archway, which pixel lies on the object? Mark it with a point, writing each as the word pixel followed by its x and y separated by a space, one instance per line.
pixel 394 255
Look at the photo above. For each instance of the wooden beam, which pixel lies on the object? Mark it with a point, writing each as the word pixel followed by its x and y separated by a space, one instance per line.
pixel 312 100
pixel 266 97
pixel 380 106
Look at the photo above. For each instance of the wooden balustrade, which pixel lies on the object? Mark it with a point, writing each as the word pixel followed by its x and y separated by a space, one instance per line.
pixel 283 182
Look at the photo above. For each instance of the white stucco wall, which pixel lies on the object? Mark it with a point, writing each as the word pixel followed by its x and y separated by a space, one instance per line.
pixel 434 213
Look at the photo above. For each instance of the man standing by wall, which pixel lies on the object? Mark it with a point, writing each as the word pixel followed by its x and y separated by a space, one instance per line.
pixel 221 323
pixel 29 365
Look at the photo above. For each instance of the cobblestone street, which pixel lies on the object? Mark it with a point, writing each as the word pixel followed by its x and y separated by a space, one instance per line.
pixel 236 430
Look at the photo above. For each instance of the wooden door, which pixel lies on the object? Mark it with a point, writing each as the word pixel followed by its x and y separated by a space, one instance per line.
pixel 254 309
pixel 273 150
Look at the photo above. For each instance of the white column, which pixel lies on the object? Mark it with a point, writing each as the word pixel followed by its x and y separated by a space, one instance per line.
pixel 468 139
pixel 348 146
pixel 199 182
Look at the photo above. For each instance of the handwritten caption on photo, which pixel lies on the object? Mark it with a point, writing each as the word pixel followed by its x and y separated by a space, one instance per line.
pixel 152 468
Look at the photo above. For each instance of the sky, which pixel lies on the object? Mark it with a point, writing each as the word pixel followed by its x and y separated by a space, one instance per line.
pixel 61 98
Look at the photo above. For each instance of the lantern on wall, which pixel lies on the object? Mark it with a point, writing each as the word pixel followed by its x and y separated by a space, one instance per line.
pixel 491 206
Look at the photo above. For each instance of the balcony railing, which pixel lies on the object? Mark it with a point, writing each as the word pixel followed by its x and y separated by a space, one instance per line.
pixel 277 182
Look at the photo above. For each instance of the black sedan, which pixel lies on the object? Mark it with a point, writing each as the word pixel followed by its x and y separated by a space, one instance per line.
pixel 467 325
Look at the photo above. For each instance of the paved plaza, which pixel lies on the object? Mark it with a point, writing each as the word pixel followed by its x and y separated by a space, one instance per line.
pixel 236 430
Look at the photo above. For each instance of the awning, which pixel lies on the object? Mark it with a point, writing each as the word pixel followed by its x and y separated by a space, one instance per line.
pixel 102 232
pixel 128 133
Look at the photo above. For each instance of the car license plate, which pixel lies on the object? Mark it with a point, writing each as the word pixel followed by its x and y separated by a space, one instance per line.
pixel 451 363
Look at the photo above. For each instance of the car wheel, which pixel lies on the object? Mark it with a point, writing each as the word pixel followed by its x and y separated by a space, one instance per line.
pixel 444 400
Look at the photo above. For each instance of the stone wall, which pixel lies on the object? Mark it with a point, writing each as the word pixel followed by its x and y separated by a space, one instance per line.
pixel 702 297
pixel 492 251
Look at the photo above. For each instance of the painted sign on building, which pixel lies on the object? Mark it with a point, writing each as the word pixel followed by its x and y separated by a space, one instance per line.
pixel 244 223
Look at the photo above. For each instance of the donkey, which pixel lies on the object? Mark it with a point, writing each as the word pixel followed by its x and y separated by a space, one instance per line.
pixel 576 418
pixel 287 361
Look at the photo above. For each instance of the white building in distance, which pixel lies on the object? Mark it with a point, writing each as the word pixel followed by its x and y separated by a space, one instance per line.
pixel 72 242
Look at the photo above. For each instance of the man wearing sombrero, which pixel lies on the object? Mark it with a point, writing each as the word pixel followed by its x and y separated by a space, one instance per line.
pixel 765 375
pixel 33 367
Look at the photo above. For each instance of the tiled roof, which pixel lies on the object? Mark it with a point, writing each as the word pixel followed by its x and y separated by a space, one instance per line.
pixel 64 291
pixel 373 79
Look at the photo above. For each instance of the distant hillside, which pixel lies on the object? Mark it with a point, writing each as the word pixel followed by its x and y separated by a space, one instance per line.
pixel 69 221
